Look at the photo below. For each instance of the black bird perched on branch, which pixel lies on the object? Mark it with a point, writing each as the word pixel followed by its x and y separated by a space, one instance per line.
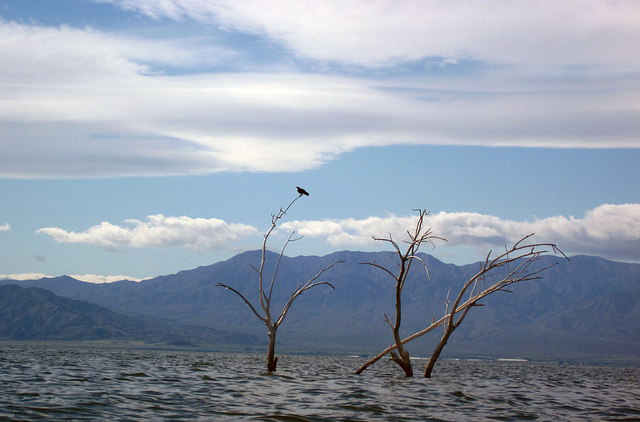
pixel 302 191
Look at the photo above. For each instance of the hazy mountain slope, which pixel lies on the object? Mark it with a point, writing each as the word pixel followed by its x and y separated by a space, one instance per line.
pixel 586 305
pixel 38 314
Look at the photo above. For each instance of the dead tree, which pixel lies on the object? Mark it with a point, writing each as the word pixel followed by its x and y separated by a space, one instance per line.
pixel 265 294
pixel 419 236
pixel 512 266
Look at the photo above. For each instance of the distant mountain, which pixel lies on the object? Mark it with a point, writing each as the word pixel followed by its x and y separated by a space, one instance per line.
pixel 38 314
pixel 586 307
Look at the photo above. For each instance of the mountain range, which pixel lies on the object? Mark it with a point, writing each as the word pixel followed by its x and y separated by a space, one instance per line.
pixel 585 307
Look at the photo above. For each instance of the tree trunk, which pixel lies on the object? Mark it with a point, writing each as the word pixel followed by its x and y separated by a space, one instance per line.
pixel 272 360
pixel 436 355
pixel 403 361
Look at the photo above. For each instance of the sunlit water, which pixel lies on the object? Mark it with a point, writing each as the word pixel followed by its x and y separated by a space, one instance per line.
pixel 57 383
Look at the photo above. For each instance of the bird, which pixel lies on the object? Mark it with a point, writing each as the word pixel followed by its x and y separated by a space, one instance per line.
pixel 302 191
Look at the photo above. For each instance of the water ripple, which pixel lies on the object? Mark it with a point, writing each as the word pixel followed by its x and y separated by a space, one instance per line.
pixel 38 383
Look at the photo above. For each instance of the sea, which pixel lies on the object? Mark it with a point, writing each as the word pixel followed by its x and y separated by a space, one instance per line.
pixel 44 382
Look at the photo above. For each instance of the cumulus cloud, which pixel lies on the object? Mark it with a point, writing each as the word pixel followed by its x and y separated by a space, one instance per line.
pixel 5 227
pixel 611 231
pixel 157 231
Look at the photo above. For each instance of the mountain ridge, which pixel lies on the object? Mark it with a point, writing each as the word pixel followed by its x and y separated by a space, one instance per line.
pixel 32 313
pixel 539 316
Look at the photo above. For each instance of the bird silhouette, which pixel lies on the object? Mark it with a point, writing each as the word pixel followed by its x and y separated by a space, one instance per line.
pixel 302 191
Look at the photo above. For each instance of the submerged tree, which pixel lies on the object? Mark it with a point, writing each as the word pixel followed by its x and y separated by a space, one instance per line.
pixel 265 293
pixel 416 239
pixel 512 266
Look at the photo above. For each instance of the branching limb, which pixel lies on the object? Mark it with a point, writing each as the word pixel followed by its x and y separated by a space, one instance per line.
pixel 264 303
pixel 517 260
pixel 433 326
pixel 244 299
pixel 416 238
pixel 275 271
pixel 373 264
pixel 303 288
pixel 424 265
pixel 388 321
pixel 388 240
pixel 265 297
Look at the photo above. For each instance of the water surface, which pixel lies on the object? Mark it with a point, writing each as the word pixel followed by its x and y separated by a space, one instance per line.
pixel 62 383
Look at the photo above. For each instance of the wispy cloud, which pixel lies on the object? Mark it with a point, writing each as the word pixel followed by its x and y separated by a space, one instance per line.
pixel 80 102
pixel 611 231
pixel 532 32
pixel 157 231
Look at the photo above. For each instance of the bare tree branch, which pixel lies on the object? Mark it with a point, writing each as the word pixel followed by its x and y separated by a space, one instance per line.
pixel 274 221
pixel 416 238
pixel 517 261
pixel 244 299
pixel 302 288
pixel 373 264
pixel 266 297
pixel 275 272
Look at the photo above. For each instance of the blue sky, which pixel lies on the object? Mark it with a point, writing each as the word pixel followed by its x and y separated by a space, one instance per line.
pixel 145 137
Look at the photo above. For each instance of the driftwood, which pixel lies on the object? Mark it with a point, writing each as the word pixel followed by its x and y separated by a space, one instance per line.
pixel 266 294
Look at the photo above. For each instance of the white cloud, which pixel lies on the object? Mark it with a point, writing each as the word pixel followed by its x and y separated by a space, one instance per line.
pixel 88 278
pixel 101 279
pixel 532 32
pixel 22 276
pixel 78 102
pixel 58 55
pixel 611 231
pixel 157 232
pixel 5 227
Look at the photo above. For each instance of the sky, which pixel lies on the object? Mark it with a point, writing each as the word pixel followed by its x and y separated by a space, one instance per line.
pixel 144 137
